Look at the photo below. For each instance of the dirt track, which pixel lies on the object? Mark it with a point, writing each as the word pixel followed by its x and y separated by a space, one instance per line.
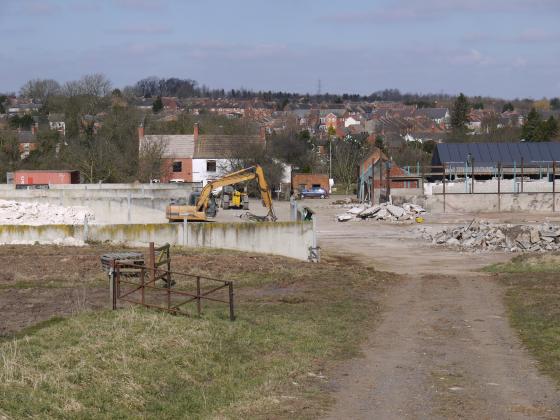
pixel 444 348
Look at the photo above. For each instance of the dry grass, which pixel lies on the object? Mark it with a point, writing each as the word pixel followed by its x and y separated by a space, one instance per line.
pixel 294 321
pixel 533 301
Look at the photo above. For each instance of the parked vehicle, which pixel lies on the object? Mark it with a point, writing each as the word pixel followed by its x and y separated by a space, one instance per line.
pixel 314 193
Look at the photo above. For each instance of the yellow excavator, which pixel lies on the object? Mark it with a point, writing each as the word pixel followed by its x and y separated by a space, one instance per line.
pixel 202 205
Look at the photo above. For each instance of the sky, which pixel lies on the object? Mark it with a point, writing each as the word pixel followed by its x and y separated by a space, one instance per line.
pixel 501 48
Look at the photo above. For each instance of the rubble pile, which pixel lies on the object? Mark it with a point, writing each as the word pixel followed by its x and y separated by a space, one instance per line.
pixel 33 213
pixel 481 235
pixel 384 211
pixel 345 202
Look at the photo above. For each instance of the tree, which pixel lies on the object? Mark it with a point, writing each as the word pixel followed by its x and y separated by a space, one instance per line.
pixel 555 103
pixel 347 154
pixel 157 105
pixel 531 127
pixel 40 89
pixel 535 129
pixel 478 105
pixel 546 130
pixel 150 162
pixel 460 112
pixel 507 107
pixel 24 122
pixel 3 99
pixel 380 143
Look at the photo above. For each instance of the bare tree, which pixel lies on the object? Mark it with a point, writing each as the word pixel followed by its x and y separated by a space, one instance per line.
pixel 151 160
pixel 40 89
pixel 348 153
pixel 95 85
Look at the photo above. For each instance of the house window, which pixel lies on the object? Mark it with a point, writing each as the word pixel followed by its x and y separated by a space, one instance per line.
pixel 210 166
pixel 177 166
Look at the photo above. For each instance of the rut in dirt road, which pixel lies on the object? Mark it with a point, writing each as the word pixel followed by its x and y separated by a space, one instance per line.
pixel 444 349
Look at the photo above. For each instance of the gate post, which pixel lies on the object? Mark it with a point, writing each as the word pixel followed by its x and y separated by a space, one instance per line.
pixel 113 286
pixel 231 313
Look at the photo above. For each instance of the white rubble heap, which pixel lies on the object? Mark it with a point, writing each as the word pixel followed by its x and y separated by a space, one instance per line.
pixel 33 213
pixel 384 211
pixel 485 236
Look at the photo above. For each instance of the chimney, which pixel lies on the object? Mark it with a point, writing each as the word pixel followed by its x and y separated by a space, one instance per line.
pixel 263 134
pixel 195 132
pixel 140 131
pixel 34 128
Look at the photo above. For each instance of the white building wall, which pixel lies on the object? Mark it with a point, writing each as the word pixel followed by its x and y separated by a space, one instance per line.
pixel 200 174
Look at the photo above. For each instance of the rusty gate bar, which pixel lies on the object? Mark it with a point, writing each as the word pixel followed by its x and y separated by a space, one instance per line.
pixel 198 302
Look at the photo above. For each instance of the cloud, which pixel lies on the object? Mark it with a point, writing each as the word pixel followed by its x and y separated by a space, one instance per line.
pixel 413 10
pixel 536 36
pixel 39 8
pixel 148 29
pixel 141 5
pixel 469 58
pixel 519 62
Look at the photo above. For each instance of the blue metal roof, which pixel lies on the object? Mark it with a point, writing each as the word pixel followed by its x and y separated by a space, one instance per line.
pixel 493 153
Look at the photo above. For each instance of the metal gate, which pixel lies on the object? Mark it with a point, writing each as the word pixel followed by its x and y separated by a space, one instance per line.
pixel 155 286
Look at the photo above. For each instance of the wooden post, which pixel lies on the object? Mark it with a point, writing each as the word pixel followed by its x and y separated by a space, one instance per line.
pixel 151 262
pixel 422 175
pixel 198 302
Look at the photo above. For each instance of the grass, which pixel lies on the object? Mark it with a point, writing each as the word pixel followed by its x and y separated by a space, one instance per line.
pixel 295 320
pixel 533 302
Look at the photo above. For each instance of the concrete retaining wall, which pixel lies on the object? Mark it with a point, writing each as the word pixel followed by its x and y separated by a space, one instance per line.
pixel 290 239
pixel 485 203
pixel 111 203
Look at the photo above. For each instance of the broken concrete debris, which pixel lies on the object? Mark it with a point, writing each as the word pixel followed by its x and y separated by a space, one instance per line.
pixel 485 236
pixel 384 211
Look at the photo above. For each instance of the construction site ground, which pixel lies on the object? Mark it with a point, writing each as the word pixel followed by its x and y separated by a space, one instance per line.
pixel 442 347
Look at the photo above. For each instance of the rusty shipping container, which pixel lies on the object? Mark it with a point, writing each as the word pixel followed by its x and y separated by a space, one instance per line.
pixel 46 177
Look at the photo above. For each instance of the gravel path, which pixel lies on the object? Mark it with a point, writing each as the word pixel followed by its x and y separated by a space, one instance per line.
pixel 444 348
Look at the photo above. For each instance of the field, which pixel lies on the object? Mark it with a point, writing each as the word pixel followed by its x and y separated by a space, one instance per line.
pixel 65 355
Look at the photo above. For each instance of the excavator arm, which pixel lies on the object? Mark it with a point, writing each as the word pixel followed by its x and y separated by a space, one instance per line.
pixel 247 174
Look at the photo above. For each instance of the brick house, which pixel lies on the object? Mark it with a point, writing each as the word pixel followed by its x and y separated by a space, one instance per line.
pixel 308 181
pixel 376 162
pixel 199 157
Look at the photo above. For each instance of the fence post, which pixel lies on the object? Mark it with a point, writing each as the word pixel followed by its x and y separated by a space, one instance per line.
pixel 422 178
pixel 142 280
pixel 522 173
pixel 553 186
pixel 152 261
pixel 372 182
pixel 499 186
pixel 113 286
pixel 472 176
pixel 198 298
pixel 231 313
pixel 380 178
pixel 444 176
